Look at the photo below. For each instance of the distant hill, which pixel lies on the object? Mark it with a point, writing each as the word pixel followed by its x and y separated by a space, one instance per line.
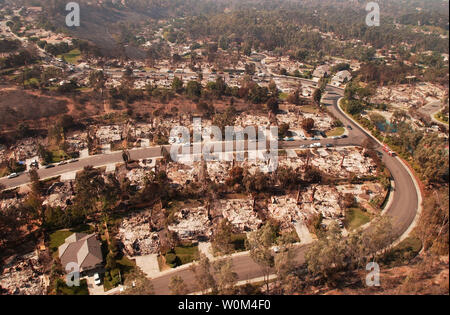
pixel 102 21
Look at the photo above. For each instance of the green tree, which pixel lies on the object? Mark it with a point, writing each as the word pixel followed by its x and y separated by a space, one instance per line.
pixel 177 85
pixel 203 275
pixel 273 104
pixel 193 89
pixel 226 277
pixel 222 242
pixel 260 244
pixel 317 96
pixel 308 124
pixel 177 286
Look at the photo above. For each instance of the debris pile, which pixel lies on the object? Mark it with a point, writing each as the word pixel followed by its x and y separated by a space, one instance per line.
pixel 218 171
pixel 9 202
pixel 324 200
pixel 59 195
pixel 321 121
pixel 24 276
pixel 192 224
pixel 246 120
pixel 285 210
pixel 182 174
pixel 405 96
pixel 137 177
pixel 77 141
pixel 25 149
pixel 136 235
pixel 109 134
pixel 339 162
pixel 241 214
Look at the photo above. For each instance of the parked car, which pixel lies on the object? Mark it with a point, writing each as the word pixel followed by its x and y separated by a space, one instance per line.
pixel 97 279
pixel 62 163
pixel 49 166
pixel 329 145
pixel 73 161
pixel 13 175
pixel 349 127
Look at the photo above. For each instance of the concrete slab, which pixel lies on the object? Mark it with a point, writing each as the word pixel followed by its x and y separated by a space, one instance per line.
pixel 110 168
pixel 68 176
pixel 84 153
pixel 93 288
pixel 145 143
pixel 148 264
pixel 206 249
pixel 303 233
pixel 106 149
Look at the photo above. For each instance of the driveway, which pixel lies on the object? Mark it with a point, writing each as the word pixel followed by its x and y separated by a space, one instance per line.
pixel 93 288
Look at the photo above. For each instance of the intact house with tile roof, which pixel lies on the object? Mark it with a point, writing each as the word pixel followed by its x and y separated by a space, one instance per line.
pixel 82 249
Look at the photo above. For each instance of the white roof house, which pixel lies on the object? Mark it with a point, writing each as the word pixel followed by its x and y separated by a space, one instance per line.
pixel 342 76
pixel 321 71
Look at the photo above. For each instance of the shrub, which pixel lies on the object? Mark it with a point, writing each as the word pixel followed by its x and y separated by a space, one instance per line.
pixel 173 260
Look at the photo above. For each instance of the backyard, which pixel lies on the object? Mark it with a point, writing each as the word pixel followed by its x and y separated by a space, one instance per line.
pixel 355 218
pixel 58 238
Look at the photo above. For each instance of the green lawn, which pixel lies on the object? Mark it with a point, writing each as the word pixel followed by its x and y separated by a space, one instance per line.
pixel 125 266
pixel 72 56
pixel 58 156
pixel 309 109
pixel 355 217
pixel 63 289
pixel 32 82
pixel 336 132
pixel 182 255
pixel 239 242
pixel 187 253
pixel 57 238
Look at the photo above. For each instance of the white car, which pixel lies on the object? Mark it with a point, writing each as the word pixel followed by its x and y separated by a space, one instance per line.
pixel 97 279
pixel 13 175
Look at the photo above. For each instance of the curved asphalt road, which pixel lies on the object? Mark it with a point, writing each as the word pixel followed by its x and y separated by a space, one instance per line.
pixel 403 209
